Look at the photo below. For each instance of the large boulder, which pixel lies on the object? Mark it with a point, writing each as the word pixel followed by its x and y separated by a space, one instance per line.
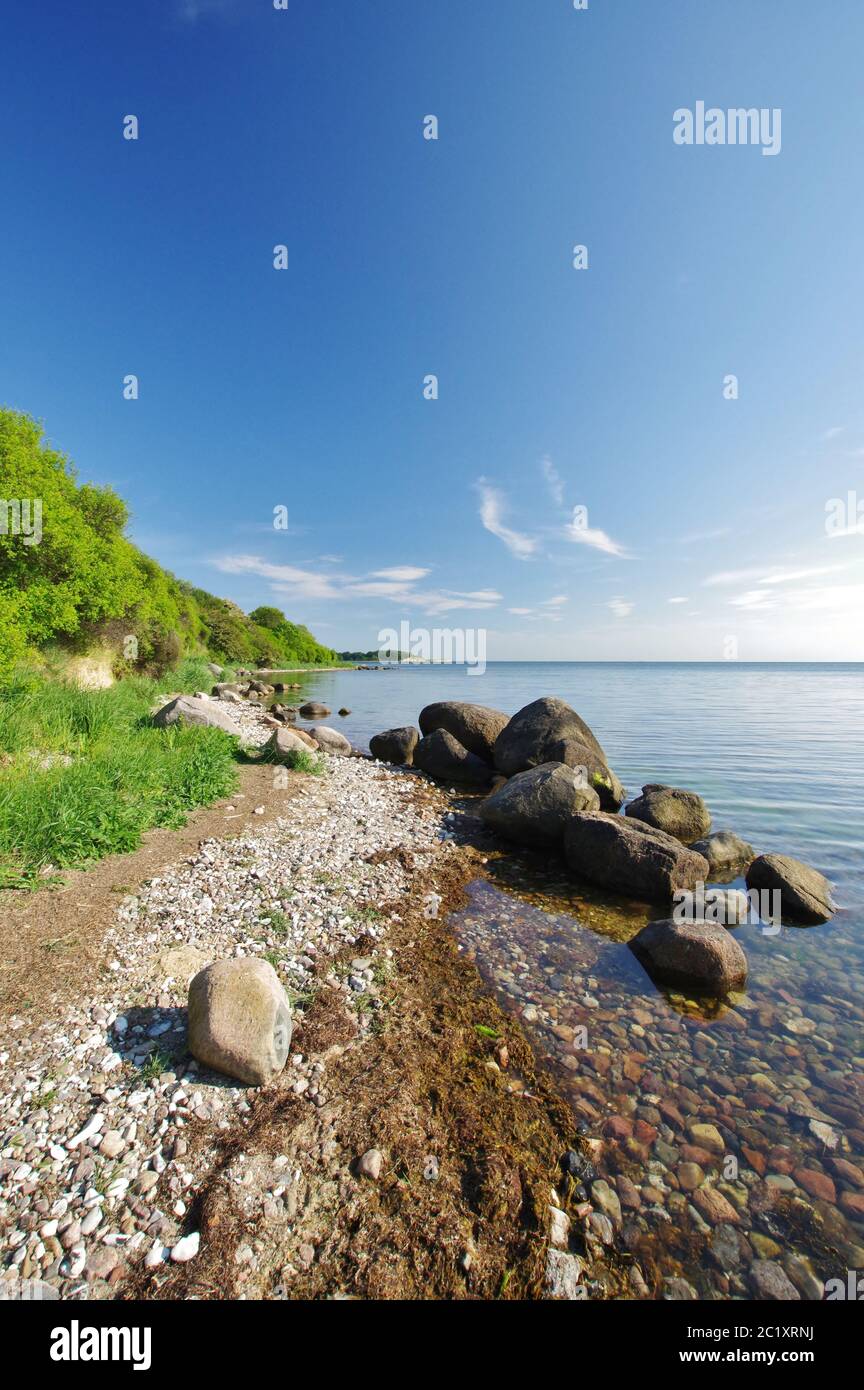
pixel 214 670
pixel 240 1020
pixel 725 852
pixel 805 894
pixel 475 726
pixel 395 746
pixel 443 757
pixel 549 731
pixel 533 807
pixel 285 742
pixel 330 740
pixel 679 813
pixel 187 710
pixel 312 710
pixel 629 857
pixel 696 955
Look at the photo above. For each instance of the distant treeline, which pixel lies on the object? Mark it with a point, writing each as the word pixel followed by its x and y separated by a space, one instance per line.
pixel 371 656
pixel 70 577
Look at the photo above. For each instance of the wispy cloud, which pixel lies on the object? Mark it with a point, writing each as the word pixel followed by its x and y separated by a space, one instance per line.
pixel 621 607
pixel 290 578
pixel 754 600
pixel 395 584
pixel 556 602
pixel 833 432
pixel 492 507
pixel 407 573
pixel 591 536
pixel 766 575
pixel 554 481
pixel 677 599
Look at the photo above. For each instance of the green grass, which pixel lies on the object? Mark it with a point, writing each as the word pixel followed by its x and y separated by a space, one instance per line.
pixel 124 777
pixel 303 760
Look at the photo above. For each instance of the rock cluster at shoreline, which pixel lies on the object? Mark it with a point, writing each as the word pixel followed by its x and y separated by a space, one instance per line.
pixel 547 784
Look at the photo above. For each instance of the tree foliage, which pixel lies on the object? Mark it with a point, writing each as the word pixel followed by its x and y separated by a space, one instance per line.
pixel 84 580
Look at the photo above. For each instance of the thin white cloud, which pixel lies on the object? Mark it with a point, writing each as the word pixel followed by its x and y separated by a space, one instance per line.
pixel 491 514
pixel 294 582
pixel 693 537
pixel 556 602
pixel 677 600
pixel 621 607
pixel 833 432
pixel 755 600
pixel 591 536
pixel 407 573
pixel 521 612
pixel 289 578
pixel 764 575
pixel 450 600
pixel 554 481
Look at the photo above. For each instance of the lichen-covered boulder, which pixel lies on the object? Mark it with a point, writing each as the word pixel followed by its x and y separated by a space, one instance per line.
pixel 680 813
pixel 549 731
pixel 725 852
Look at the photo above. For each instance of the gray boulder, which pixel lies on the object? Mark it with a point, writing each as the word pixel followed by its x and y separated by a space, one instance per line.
pixel 549 731
pixel 805 894
pixel 533 807
pixel 312 710
pixel 725 852
pixel 629 857
pixel 443 757
pixel 187 710
pixel 475 726
pixel 680 813
pixel 283 742
pixel 240 1020
pixel 695 955
pixel 214 670
pixel 330 740
pixel 395 746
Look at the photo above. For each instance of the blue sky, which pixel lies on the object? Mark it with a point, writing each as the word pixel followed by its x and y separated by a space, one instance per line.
pixel 602 388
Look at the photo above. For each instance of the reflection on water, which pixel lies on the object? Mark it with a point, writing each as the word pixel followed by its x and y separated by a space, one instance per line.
pixel 733 1134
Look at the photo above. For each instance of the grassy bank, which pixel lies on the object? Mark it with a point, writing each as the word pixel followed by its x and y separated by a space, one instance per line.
pixel 83 773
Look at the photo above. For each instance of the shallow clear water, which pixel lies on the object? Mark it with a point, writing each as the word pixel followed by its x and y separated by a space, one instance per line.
pixel 778 754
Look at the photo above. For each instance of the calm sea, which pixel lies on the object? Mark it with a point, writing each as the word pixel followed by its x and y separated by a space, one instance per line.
pixel 775 1203
pixel 777 751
